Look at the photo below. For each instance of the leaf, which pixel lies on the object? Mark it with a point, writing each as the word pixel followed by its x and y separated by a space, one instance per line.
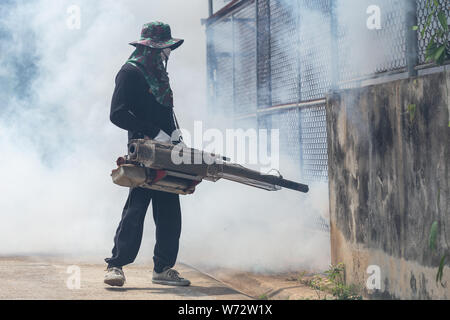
pixel 431 49
pixel 412 112
pixel 440 272
pixel 415 28
pixel 439 52
pixel 433 235
pixel 441 58
pixel 427 24
pixel 432 44
pixel 443 20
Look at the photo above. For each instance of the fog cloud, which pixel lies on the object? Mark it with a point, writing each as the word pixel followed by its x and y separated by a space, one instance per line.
pixel 58 146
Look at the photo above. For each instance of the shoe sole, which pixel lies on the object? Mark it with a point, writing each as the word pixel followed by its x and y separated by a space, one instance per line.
pixel 171 283
pixel 114 282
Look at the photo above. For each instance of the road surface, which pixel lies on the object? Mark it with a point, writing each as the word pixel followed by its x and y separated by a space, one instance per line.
pixel 57 279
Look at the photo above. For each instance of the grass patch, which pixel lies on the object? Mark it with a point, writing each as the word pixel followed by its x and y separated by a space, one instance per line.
pixel 332 285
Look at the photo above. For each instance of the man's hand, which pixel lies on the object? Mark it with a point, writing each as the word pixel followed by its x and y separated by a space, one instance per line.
pixel 177 139
pixel 180 143
pixel 162 137
pixel 165 138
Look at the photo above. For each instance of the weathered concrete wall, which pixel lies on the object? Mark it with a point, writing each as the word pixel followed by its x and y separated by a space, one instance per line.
pixel 389 180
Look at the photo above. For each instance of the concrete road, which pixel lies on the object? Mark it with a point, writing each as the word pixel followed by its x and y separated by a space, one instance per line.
pixel 51 278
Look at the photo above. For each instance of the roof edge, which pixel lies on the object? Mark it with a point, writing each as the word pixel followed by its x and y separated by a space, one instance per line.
pixel 225 10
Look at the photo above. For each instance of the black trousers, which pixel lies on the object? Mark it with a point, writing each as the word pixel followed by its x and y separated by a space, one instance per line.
pixel 167 217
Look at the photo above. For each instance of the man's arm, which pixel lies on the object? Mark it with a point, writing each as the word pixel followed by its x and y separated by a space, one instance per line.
pixel 122 105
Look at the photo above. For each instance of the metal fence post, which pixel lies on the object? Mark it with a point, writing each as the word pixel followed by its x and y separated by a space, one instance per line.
pixel 210 7
pixel 298 30
pixel 210 70
pixel 412 46
pixel 264 76
pixel 263 66
pixel 233 57
pixel 334 47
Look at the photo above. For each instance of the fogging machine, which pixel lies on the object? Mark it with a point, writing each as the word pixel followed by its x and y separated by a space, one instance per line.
pixel 149 164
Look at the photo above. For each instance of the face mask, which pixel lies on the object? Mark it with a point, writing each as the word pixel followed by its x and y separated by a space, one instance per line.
pixel 151 64
pixel 165 54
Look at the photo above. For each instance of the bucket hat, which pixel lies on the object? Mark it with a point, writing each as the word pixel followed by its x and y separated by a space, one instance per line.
pixel 157 35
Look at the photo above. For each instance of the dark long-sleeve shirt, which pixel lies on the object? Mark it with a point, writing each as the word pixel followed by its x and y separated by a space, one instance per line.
pixel 135 109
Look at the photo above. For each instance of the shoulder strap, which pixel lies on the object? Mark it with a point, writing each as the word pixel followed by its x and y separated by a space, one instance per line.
pixel 176 120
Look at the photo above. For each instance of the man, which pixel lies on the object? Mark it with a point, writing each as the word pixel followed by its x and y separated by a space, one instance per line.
pixel 142 103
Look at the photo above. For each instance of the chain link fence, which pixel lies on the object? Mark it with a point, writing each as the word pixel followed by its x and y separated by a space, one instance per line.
pixel 363 51
pixel 284 65
pixel 244 28
pixel 288 54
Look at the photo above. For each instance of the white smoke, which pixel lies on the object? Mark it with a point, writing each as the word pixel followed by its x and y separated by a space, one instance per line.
pixel 234 226
pixel 58 146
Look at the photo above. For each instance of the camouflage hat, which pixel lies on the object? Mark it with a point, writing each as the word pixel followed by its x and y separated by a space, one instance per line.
pixel 157 35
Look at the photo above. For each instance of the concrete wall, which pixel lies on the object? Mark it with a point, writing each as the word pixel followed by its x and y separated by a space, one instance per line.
pixel 389 180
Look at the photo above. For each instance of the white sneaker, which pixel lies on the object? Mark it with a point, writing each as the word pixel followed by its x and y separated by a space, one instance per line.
pixel 170 277
pixel 114 277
